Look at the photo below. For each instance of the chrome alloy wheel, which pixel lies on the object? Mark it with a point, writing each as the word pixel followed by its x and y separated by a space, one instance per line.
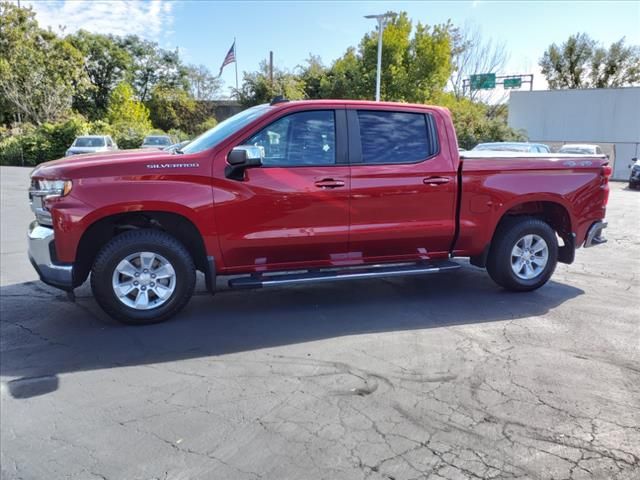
pixel 144 280
pixel 529 256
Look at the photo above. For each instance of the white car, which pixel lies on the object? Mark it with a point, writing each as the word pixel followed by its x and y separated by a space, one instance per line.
pixel 91 144
pixel 581 149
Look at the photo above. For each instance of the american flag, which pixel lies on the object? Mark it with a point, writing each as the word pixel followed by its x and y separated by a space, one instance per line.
pixel 230 58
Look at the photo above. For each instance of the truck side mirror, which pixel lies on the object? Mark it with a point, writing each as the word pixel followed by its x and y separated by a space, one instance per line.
pixel 242 157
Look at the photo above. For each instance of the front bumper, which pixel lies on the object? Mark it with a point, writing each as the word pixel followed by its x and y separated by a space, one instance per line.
pixel 595 235
pixel 42 257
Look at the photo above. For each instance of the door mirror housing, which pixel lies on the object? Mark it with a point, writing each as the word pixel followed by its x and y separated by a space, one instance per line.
pixel 241 158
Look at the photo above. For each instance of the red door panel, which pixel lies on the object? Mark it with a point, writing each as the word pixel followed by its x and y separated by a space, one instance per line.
pixel 400 211
pixel 279 217
pixel 395 214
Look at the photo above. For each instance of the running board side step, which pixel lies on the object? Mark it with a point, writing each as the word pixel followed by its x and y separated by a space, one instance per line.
pixel 354 273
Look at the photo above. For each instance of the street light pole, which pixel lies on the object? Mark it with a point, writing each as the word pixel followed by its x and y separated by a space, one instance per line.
pixel 382 21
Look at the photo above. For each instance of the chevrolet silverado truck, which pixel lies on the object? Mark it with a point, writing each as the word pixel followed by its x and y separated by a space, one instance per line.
pixel 308 191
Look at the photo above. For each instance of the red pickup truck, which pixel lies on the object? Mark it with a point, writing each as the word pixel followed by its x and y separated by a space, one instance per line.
pixel 308 191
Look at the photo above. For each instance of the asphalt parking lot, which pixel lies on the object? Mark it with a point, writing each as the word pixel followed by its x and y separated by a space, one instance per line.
pixel 421 377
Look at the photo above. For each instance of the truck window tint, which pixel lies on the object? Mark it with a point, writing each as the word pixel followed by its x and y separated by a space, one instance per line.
pixel 393 137
pixel 299 139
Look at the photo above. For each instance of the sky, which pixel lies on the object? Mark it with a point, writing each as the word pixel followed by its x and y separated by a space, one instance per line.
pixel 203 31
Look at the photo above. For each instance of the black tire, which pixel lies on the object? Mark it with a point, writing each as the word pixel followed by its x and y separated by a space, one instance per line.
pixel 126 244
pixel 510 231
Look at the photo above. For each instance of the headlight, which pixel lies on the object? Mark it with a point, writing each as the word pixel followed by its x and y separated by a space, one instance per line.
pixel 51 188
pixel 40 191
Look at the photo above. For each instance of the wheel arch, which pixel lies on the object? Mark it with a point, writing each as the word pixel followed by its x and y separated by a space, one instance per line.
pixel 107 227
pixel 552 211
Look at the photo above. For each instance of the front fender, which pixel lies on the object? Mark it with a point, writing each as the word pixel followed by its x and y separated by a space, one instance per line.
pixel 92 200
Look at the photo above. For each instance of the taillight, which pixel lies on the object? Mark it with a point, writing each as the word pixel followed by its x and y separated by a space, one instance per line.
pixel 605 173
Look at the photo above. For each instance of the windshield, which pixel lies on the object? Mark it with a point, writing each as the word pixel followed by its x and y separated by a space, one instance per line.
pixel 212 137
pixel 89 142
pixel 157 141
pixel 576 150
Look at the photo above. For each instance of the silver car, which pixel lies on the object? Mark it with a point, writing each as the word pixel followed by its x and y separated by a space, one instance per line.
pixel 91 144
pixel 581 149
pixel 157 141
pixel 513 147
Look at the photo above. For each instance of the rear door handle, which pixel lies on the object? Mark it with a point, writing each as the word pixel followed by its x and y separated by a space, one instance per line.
pixel 329 183
pixel 436 180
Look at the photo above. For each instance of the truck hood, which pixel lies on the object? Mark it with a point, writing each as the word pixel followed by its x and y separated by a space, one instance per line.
pixel 121 162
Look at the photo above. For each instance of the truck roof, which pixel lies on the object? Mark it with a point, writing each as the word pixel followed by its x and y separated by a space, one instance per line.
pixel 357 103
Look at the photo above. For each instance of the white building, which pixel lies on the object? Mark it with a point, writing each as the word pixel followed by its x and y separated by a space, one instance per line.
pixel 609 117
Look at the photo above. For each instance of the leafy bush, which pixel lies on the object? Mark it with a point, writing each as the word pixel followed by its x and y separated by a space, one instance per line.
pixel 100 127
pixel 11 151
pixel 208 124
pixel 475 124
pixel 129 118
pixel 178 135
pixel 171 108
pixel 128 135
pixel 61 135
pixel 30 145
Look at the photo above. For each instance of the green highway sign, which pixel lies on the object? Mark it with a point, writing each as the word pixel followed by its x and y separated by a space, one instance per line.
pixel 483 81
pixel 512 83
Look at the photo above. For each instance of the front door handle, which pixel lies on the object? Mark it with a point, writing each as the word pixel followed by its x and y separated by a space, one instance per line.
pixel 329 183
pixel 436 180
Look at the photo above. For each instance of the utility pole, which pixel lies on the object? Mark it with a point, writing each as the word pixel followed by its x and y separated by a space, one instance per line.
pixel 271 67
pixel 382 22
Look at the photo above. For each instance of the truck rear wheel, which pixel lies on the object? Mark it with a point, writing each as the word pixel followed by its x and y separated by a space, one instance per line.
pixel 523 255
pixel 142 277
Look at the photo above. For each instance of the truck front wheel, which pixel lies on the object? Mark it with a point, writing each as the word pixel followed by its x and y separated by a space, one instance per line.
pixel 523 255
pixel 143 276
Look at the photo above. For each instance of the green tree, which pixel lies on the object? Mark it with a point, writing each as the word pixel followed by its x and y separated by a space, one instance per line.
pixel 567 65
pixel 581 62
pixel 129 118
pixel 346 78
pixel 414 67
pixel 172 108
pixel 312 75
pixel 474 53
pixel 477 122
pixel 39 72
pixel 152 65
pixel 203 85
pixel 257 87
pixel 208 124
pixel 106 64
pixel 617 66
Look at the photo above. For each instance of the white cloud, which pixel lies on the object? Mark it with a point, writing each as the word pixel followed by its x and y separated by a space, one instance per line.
pixel 151 19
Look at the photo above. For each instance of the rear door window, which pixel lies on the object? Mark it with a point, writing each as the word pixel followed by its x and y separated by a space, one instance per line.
pixel 393 137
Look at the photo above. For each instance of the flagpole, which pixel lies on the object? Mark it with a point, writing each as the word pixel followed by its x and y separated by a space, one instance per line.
pixel 235 54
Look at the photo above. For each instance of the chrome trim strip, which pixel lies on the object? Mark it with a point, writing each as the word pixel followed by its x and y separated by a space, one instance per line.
pixel 594 234
pixel 332 276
